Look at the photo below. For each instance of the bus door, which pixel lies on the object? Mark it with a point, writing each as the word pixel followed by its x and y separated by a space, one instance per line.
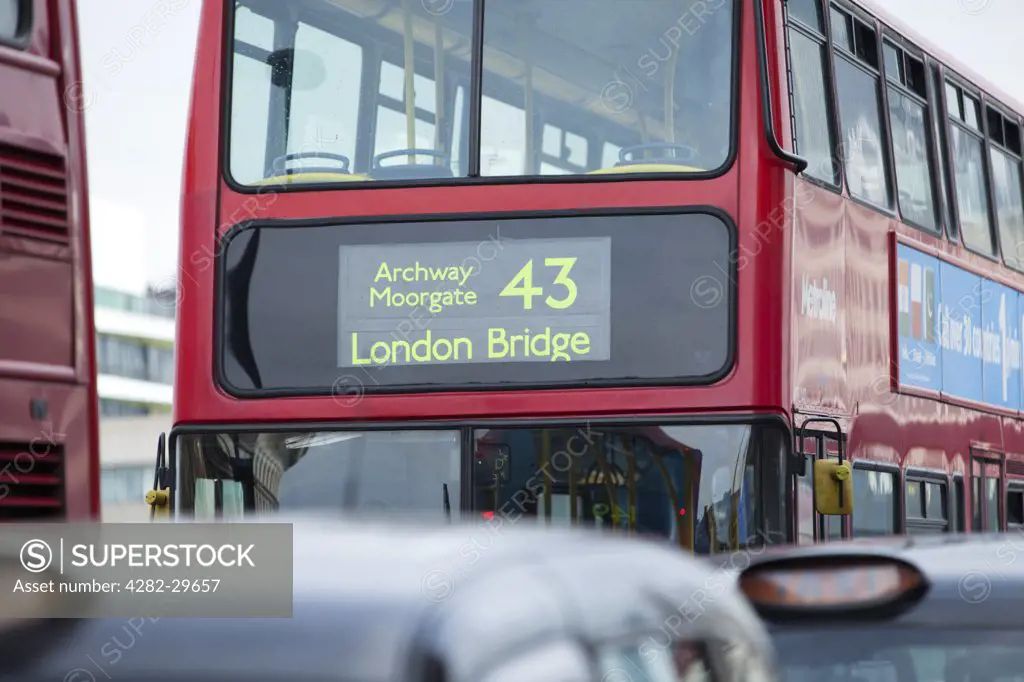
pixel 987 474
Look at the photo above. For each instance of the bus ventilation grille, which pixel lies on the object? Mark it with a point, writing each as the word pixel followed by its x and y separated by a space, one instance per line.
pixel 31 482
pixel 33 195
pixel 1013 467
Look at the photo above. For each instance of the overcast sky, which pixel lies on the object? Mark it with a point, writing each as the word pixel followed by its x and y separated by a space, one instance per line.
pixel 137 88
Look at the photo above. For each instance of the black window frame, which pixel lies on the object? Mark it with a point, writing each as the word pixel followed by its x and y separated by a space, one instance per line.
pixel 905 50
pixel 26 24
pixel 859 16
pixel 1007 118
pixel 965 87
pixel 924 477
pixel 897 490
pixel 822 36
pixel 943 151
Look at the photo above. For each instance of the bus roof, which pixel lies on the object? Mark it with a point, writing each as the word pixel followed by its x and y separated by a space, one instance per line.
pixel 369 595
pixel 974 580
pixel 958 65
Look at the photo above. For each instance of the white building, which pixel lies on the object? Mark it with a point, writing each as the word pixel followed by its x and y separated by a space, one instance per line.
pixel 135 367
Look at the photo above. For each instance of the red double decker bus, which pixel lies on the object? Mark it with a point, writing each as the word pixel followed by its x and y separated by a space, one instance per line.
pixel 628 264
pixel 49 439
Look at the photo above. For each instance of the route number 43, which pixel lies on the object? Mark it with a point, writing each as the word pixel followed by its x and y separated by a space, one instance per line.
pixel 522 284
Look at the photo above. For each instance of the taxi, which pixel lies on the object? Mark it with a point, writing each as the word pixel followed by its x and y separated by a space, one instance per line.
pixel 934 608
pixel 389 602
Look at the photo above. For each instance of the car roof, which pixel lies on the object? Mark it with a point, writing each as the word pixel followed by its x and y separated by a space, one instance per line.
pixel 370 595
pixel 975 580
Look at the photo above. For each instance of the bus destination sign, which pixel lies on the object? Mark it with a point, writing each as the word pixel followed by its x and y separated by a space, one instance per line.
pixel 535 300
pixel 468 302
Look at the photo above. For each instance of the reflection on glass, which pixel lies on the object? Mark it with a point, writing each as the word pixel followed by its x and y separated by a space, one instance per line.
pixel 653 661
pixel 377 471
pixel 914 499
pixel 301 111
pixel 913 164
pixel 10 17
pixel 1009 207
pixel 861 127
pixel 911 654
pixel 706 488
pixel 976 519
pixel 363 90
pixel 607 71
pixel 805 503
pixel 992 503
pixel 807 11
pixel 813 135
pixel 694 486
pixel 935 501
pixel 874 503
pixel 971 197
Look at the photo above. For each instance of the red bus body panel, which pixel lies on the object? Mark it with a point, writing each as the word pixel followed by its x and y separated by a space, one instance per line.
pixel 49 436
pixel 754 382
pixel 789 230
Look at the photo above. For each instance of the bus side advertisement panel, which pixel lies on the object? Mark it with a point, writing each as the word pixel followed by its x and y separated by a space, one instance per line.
pixel 959 333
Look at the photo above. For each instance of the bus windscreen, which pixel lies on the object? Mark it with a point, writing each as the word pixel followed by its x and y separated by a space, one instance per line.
pixel 436 304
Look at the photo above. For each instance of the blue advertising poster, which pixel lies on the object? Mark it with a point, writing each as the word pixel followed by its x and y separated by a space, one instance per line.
pixel 960 332
pixel 920 360
pixel 1020 330
pixel 1000 345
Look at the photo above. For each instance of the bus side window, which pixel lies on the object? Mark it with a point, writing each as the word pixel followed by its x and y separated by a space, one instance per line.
pixel 814 135
pixel 909 119
pixel 874 502
pixel 805 503
pixel 15 18
pixel 859 93
pixel 967 151
pixel 1005 155
pixel 926 507
pixel 958 511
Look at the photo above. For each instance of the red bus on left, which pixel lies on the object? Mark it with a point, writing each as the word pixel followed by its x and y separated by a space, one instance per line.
pixel 49 439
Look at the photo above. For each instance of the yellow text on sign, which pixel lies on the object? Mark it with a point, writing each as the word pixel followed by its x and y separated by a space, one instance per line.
pixel 522 284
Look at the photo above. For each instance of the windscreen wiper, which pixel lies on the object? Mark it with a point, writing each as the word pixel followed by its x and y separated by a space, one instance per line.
pixel 447 503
